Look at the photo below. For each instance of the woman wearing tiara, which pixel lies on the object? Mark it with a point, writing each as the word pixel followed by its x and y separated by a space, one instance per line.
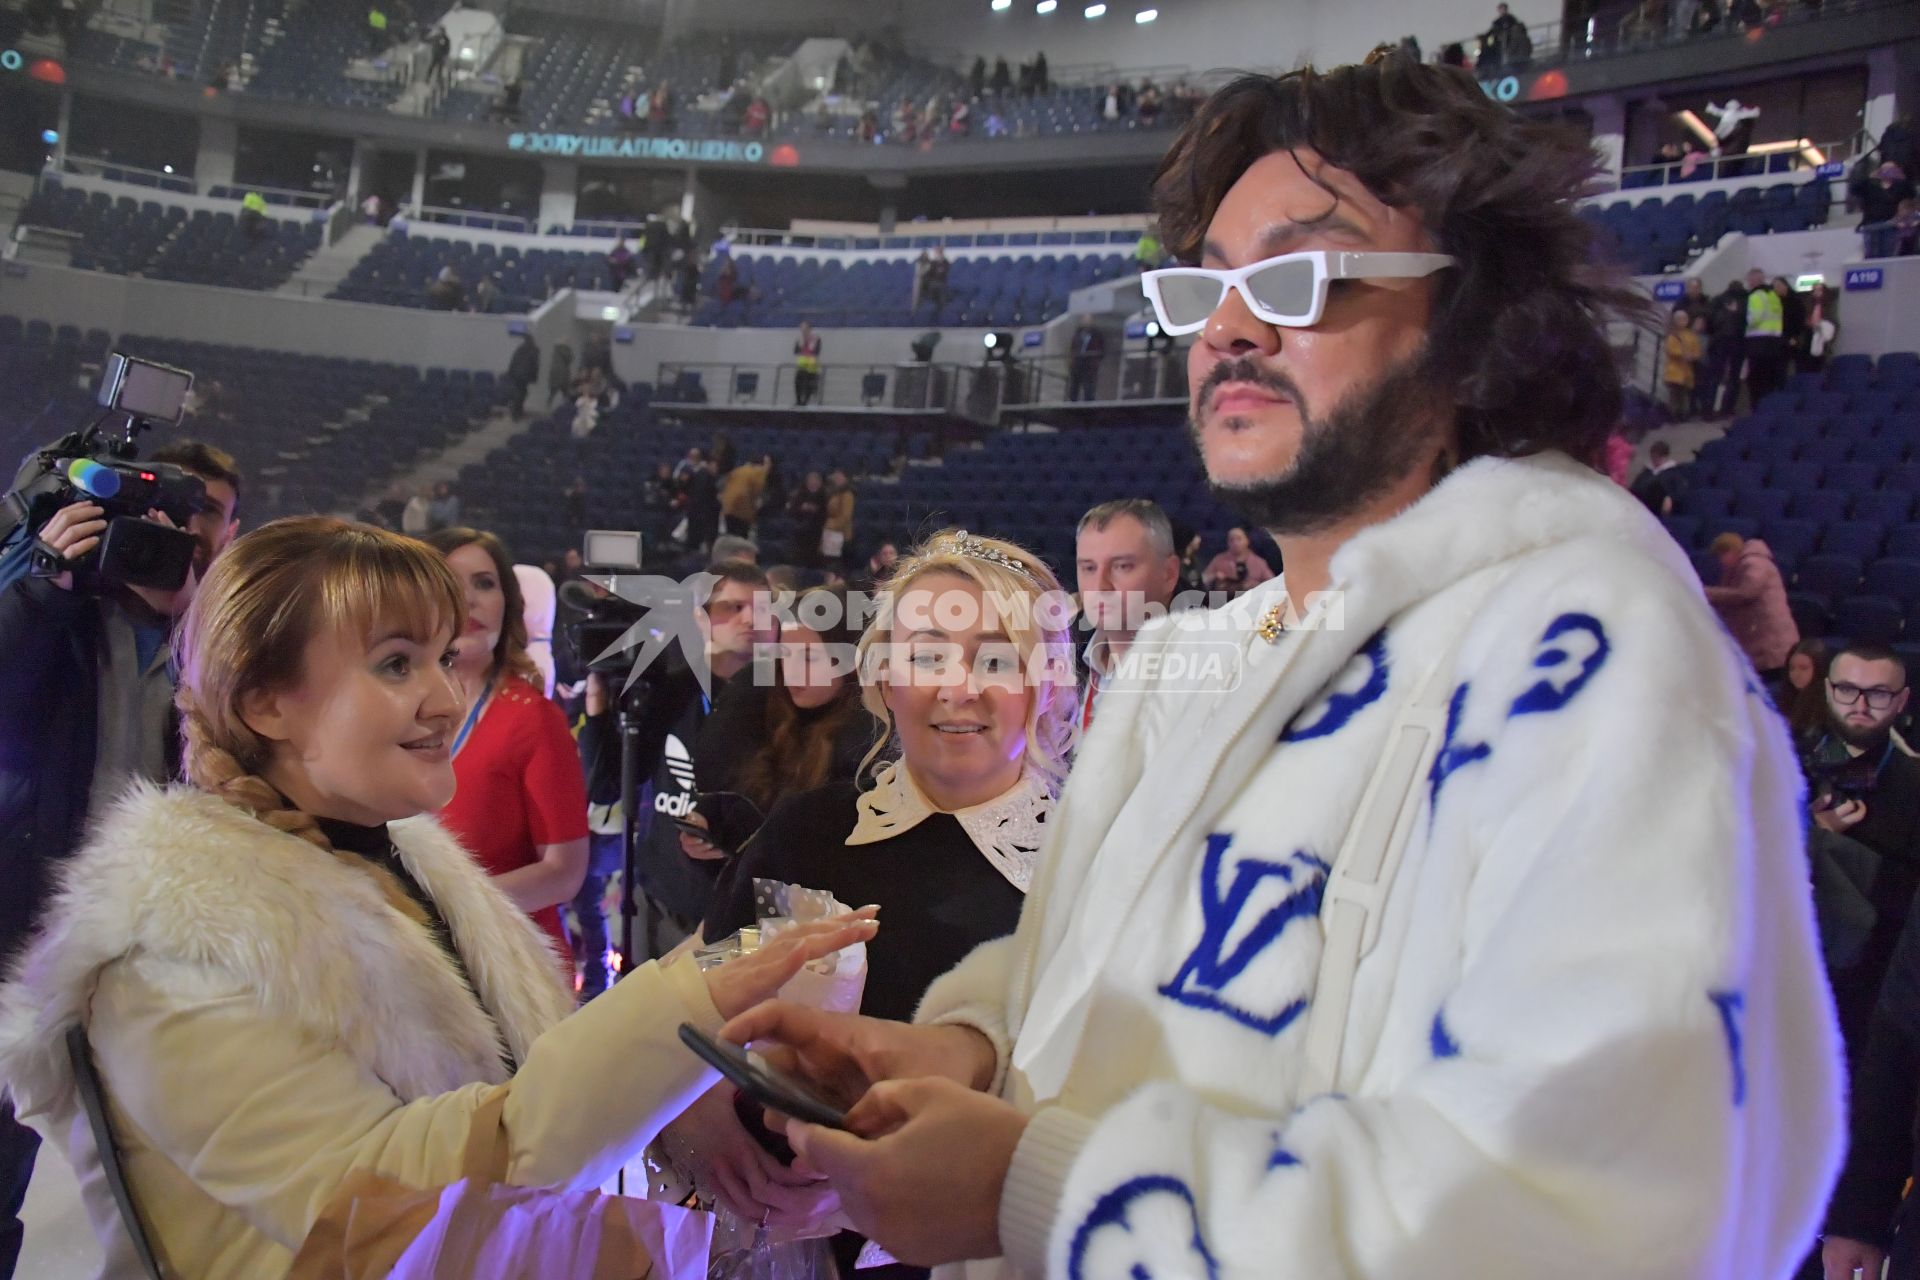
pixel 972 676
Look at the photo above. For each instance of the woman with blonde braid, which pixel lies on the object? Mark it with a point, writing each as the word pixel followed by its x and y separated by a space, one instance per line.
pixel 290 976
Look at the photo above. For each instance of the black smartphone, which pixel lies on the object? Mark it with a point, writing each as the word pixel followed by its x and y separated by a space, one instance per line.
pixel 766 1086
pixel 699 832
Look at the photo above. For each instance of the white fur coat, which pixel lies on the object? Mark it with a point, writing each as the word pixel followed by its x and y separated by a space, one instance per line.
pixel 1594 1037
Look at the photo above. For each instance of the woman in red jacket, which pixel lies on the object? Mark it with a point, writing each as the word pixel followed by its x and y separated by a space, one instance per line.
pixel 521 803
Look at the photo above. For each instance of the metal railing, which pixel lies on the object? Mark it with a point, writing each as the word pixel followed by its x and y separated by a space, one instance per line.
pixel 468 218
pixel 1793 156
pixel 1057 240
pixel 1884 240
pixel 1553 44
pixel 905 385
pixel 114 171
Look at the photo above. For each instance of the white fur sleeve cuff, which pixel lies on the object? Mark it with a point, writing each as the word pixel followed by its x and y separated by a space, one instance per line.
pixel 1030 1199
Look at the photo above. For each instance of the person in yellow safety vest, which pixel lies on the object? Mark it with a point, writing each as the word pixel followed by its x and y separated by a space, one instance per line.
pixel 376 29
pixel 806 360
pixel 1766 341
pixel 1147 251
pixel 253 214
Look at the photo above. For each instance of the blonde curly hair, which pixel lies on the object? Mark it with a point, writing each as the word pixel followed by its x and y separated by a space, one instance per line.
pixel 1038 631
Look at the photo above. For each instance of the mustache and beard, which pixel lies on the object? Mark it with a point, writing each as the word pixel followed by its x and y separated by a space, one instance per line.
pixel 1855 734
pixel 1369 442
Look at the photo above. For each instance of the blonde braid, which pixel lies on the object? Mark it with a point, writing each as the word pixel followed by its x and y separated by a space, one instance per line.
pixel 219 772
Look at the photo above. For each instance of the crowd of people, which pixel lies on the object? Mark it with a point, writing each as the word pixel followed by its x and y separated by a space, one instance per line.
pixel 1752 334
pixel 1440 904
pixel 981 102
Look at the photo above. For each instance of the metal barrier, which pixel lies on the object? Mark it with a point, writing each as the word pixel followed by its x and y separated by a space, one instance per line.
pixel 467 218
pixel 114 171
pixel 905 385
pixel 1796 155
pixel 1554 44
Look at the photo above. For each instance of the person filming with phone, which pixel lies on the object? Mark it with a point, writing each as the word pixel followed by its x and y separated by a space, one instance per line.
pixel 1861 785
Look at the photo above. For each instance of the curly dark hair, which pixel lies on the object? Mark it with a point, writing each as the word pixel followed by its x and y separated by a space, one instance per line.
pixel 1519 329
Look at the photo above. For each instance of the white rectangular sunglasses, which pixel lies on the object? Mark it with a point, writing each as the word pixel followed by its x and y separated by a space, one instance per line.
pixel 1290 290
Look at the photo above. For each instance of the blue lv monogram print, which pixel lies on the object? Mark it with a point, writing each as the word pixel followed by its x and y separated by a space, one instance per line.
pixel 1244 916
pixel 1161 1242
pixel 1337 708
pixel 1572 650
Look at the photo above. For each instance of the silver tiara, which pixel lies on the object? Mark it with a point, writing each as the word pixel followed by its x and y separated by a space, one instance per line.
pixel 979 549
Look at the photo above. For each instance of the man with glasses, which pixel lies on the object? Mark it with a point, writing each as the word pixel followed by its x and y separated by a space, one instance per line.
pixel 1863 786
pixel 1458 926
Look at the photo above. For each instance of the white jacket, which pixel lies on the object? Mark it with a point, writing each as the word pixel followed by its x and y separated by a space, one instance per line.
pixel 1594 1038
pixel 266 1024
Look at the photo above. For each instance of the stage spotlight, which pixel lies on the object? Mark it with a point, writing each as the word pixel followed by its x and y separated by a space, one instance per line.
pixel 1095 11
pixel 1146 15
pixel 923 346
pixel 1156 340
pixel 999 344
pixel 1046 6
pixel 1000 6
pixel 50 136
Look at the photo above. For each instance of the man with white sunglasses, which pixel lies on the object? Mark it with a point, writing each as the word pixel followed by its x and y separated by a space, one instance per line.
pixel 1462 928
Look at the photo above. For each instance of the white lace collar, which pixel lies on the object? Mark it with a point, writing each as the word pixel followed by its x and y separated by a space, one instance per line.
pixel 1007 829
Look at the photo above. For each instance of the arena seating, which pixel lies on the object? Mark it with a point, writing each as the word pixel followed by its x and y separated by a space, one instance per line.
pixel 40 394
pixel 398 271
pixel 124 236
pixel 1034 487
pixel 202 37
pixel 516 489
pixel 575 78
pixel 1656 235
pixel 305 58
pixel 1826 472
pixel 1006 290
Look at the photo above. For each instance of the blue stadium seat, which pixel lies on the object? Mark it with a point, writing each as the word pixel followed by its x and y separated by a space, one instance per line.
pixel 1791 540
pixel 1859 539
pixel 1740 476
pixel 1709 504
pixel 1867 619
pixel 1823 505
pixel 1684 530
pixel 1884 506
pixel 1828 577
pixel 1810 613
pixel 1762 504
pixel 1903 542
pixel 1795 476
pixel 1897 578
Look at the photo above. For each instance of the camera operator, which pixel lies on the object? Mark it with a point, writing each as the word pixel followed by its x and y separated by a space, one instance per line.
pixel 86 706
pixel 677 884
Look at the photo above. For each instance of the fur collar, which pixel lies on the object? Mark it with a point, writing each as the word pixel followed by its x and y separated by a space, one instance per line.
pixel 179 876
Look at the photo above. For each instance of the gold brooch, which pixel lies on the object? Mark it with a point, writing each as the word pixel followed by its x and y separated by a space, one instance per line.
pixel 1273 623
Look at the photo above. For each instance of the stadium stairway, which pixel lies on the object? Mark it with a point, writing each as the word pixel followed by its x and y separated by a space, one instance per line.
pixel 499 428
pixel 321 273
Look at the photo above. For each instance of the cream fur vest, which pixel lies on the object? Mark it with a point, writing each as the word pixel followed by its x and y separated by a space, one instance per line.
pixel 179 875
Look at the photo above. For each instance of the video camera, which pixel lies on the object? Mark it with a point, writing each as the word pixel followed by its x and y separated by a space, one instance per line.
pixel 603 618
pixel 97 464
